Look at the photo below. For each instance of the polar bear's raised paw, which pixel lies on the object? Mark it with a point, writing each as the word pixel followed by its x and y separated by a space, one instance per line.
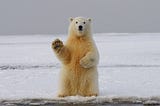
pixel 57 44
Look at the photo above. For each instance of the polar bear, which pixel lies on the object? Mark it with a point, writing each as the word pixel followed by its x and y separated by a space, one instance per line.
pixel 79 57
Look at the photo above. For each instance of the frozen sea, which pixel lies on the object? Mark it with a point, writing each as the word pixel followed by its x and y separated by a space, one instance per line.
pixel 129 66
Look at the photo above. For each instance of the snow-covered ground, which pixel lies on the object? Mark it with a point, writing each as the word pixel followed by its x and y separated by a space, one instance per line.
pixel 129 65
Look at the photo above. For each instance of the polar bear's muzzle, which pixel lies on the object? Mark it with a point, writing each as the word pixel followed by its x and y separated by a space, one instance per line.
pixel 80 28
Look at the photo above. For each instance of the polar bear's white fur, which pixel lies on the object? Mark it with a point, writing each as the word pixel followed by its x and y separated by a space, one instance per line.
pixel 79 57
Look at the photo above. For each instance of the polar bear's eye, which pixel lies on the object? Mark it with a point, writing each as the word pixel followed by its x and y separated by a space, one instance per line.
pixel 76 22
pixel 84 22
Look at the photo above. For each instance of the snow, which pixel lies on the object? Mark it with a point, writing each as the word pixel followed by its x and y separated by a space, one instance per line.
pixel 129 65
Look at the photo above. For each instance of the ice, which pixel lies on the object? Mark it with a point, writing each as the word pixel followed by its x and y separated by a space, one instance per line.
pixel 129 66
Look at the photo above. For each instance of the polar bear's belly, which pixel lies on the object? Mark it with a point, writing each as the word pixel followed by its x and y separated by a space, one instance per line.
pixel 78 50
pixel 74 64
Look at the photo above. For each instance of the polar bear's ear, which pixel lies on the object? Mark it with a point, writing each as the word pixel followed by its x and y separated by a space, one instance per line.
pixel 71 19
pixel 89 19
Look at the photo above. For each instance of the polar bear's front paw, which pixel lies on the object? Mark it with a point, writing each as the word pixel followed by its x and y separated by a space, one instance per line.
pixel 57 45
pixel 86 63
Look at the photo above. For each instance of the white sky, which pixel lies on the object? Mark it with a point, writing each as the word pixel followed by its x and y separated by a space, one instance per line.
pixel 51 16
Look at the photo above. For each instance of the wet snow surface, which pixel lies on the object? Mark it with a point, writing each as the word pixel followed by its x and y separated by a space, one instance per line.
pixel 129 66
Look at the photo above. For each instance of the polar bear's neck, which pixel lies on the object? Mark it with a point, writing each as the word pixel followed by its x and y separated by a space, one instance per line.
pixel 75 38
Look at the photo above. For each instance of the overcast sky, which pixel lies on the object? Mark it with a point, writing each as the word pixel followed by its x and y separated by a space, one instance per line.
pixel 52 16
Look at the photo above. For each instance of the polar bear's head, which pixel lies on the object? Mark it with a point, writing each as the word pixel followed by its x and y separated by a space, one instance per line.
pixel 80 26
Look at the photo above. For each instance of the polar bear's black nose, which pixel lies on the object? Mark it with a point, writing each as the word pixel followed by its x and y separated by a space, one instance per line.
pixel 80 27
